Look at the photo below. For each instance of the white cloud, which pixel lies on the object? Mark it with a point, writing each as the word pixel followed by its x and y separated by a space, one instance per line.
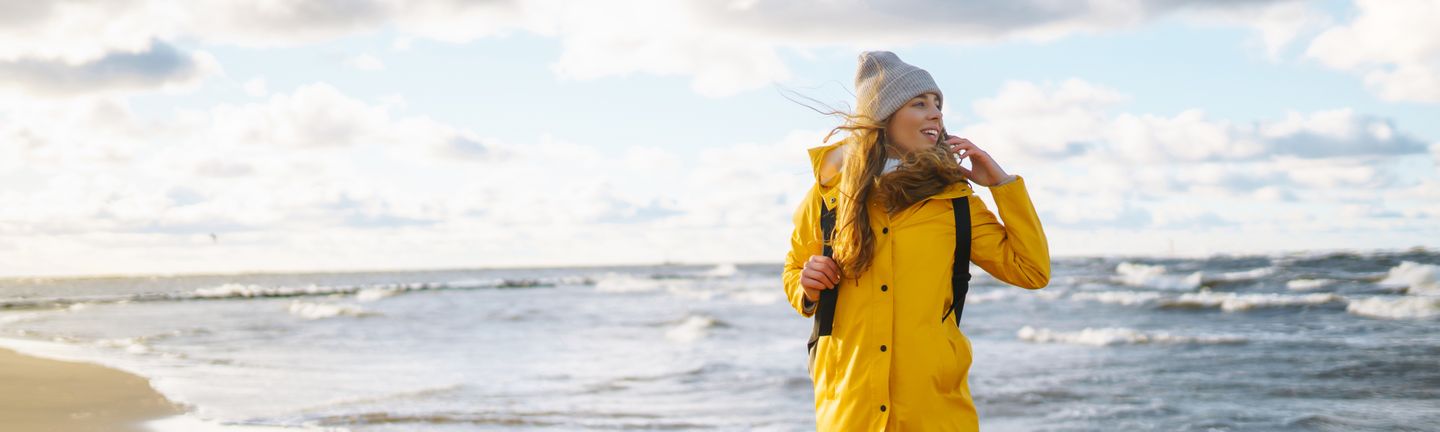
pixel 256 87
pixel 365 62
pixel 1073 113
pixel 1394 44
pixel 723 47
pixel 1280 23
pixel 347 181
pixel 1092 166
pixel 1078 119
pixel 158 65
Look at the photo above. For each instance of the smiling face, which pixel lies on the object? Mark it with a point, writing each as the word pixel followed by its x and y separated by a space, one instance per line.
pixel 917 124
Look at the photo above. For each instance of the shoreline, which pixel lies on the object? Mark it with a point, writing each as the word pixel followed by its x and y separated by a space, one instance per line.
pixel 43 394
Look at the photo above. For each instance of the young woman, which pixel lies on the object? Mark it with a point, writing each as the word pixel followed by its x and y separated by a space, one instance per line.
pixel 894 358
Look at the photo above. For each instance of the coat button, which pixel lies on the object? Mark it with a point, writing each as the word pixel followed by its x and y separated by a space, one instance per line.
pixel 882 348
pixel 884 287
pixel 882 408
pixel 885 230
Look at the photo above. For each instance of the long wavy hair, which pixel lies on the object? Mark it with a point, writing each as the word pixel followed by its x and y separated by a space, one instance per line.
pixel 920 175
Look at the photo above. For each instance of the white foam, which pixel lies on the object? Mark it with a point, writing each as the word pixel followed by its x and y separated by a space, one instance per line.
pixel 693 328
pixel 1155 276
pixel 249 290
pixel 758 297
pixel 1238 302
pixel 15 317
pixel 373 294
pixel 1117 336
pixel 623 283
pixel 1241 275
pixel 1127 298
pixel 132 345
pixel 191 423
pixel 312 311
pixel 988 296
pixel 1307 284
pixel 1416 278
pixel 1395 307
pixel 721 270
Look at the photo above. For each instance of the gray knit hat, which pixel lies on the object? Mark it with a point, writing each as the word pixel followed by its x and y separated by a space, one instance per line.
pixel 883 83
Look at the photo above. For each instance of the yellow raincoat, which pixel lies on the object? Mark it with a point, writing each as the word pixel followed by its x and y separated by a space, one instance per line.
pixel 891 364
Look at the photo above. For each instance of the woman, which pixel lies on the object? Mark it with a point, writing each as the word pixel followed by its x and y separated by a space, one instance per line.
pixel 893 361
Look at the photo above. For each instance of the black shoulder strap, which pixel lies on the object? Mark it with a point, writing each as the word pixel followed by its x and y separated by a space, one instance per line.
pixel 960 269
pixel 825 311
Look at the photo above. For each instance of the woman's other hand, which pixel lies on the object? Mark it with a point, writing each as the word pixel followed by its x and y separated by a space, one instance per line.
pixel 820 273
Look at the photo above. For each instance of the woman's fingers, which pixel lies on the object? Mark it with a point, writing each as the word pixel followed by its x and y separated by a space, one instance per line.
pixel 958 141
pixel 819 276
pixel 824 269
pixel 815 281
pixel 811 283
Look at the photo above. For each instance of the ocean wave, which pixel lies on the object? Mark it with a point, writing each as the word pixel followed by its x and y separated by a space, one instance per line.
pixel 1308 284
pixel 132 345
pixel 1117 336
pixel 1415 278
pixel 373 294
pixel 770 296
pixel 720 271
pixel 627 283
pixel 1239 302
pixel 16 317
pixel 236 291
pixel 693 328
pixel 1238 276
pixel 1155 276
pixel 1127 298
pixel 193 423
pixel 1395 307
pixel 314 311
pixel 988 296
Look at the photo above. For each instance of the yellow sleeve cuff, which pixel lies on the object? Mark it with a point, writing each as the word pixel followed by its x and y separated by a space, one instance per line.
pixel 1012 179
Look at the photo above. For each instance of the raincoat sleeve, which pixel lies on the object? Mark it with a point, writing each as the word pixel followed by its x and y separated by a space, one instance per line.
pixel 1015 252
pixel 804 242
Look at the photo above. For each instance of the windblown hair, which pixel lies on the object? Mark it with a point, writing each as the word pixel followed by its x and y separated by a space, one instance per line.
pixel 920 175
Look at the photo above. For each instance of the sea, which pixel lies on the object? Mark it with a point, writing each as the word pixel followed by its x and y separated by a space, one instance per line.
pixel 1333 341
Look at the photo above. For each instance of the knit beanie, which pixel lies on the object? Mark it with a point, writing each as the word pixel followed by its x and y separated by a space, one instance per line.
pixel 883 83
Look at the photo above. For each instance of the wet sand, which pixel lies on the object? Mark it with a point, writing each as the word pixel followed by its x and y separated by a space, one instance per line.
pixel 39 394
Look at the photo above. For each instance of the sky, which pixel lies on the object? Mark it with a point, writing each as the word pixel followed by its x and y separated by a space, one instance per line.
pixel 170 137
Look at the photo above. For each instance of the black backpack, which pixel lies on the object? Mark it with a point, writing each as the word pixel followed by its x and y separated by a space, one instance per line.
pixel 959 276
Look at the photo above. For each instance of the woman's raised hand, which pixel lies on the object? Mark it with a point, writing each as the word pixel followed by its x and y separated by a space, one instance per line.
pixel 983 169
pixel 820 273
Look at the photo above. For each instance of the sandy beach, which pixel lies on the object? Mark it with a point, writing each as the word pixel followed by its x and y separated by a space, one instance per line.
pixel 39 394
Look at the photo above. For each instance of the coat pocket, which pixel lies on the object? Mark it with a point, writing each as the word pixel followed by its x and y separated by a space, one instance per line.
pixel 957 368
pixel 820 367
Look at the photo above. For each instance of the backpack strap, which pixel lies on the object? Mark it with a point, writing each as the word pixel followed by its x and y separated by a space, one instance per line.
pixel 825 311
pixel 960 269
pixel 825 314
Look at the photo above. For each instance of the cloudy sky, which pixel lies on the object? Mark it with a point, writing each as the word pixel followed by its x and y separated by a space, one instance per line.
pixel 394 134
